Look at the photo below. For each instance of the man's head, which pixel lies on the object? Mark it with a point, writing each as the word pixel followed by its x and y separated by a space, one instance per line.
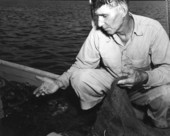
pixel 98 3
pixel 111 14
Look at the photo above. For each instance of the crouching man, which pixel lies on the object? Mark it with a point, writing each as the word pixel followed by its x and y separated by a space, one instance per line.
pixel 121 44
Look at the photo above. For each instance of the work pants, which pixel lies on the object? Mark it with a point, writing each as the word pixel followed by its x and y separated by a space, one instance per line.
pixel 91 85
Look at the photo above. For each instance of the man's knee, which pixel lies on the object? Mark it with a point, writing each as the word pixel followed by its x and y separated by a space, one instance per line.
pixel 160 108
pixel 88 86
pixel 80 77
pixel 80 81
pixel 163 99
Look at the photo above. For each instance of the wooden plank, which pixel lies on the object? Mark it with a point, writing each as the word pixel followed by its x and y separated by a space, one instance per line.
pixel 20 73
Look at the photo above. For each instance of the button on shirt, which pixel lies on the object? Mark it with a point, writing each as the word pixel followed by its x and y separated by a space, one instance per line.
pixel 148 49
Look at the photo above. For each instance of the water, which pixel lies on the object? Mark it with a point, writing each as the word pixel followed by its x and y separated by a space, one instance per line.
pixel 47 34
pixel 153 9
pixel 43 34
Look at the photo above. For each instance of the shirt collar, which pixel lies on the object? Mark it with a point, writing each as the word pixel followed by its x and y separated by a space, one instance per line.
pixel 137 29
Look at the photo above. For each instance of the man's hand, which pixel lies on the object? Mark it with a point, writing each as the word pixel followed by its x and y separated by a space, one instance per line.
pixel 48 86
pixel 132 78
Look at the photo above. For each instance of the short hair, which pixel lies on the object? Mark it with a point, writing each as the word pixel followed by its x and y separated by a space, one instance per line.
pixel 98 3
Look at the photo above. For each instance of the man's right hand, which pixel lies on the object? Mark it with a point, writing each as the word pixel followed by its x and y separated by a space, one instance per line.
pixel 48 86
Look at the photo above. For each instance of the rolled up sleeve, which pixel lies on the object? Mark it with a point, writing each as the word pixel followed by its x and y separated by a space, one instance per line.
pixel 160 58
pixel 88 57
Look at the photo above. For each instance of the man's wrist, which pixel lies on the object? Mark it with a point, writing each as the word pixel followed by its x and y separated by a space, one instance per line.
pixel 145 77
pixel 59 83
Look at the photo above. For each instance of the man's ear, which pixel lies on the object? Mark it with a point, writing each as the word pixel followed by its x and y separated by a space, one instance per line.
pixel 123 9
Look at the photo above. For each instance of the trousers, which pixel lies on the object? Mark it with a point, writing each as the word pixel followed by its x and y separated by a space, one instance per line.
pixel 91 85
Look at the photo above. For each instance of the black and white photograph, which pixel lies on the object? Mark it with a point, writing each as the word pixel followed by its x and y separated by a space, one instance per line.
pixel 84 67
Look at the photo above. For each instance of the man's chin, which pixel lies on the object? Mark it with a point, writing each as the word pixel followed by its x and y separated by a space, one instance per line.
pixel 108 32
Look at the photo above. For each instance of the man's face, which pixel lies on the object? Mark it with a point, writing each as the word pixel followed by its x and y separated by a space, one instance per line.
pixel 110 19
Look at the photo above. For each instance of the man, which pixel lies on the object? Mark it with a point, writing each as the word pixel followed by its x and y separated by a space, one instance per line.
pixel 121 45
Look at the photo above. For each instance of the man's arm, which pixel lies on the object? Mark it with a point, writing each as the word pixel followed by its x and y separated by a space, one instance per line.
pixel 88 57
pixel 160 57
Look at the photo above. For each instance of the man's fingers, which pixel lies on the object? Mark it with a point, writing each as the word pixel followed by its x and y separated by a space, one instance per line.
pixel 126 81
pixel 47 87
pixel 40 90
pixel 37 92
pixel 127 85
pixel 43 89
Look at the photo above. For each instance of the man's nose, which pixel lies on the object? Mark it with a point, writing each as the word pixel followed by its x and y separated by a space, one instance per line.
pixel 100 21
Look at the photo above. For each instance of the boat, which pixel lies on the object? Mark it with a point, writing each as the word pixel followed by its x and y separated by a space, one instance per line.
pixel 19 107
pixel 23 74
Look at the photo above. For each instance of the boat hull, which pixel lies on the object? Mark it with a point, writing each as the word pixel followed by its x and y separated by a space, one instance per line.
pixel 24 74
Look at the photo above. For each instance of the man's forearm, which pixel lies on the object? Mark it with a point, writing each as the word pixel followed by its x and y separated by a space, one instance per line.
pixel 63 80
pixel 158 76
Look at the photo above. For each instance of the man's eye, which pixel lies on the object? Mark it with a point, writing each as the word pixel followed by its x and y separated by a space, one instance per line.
pixel 104 16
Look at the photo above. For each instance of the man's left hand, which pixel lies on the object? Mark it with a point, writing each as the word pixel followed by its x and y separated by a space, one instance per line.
pixel 132 78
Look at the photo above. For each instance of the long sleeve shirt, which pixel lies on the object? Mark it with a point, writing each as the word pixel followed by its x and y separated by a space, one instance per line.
pixel 148 49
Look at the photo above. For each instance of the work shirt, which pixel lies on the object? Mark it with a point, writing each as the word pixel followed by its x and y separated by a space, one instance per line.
pixel 148 49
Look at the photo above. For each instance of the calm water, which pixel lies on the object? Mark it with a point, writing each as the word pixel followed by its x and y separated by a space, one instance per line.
pixel 48 34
